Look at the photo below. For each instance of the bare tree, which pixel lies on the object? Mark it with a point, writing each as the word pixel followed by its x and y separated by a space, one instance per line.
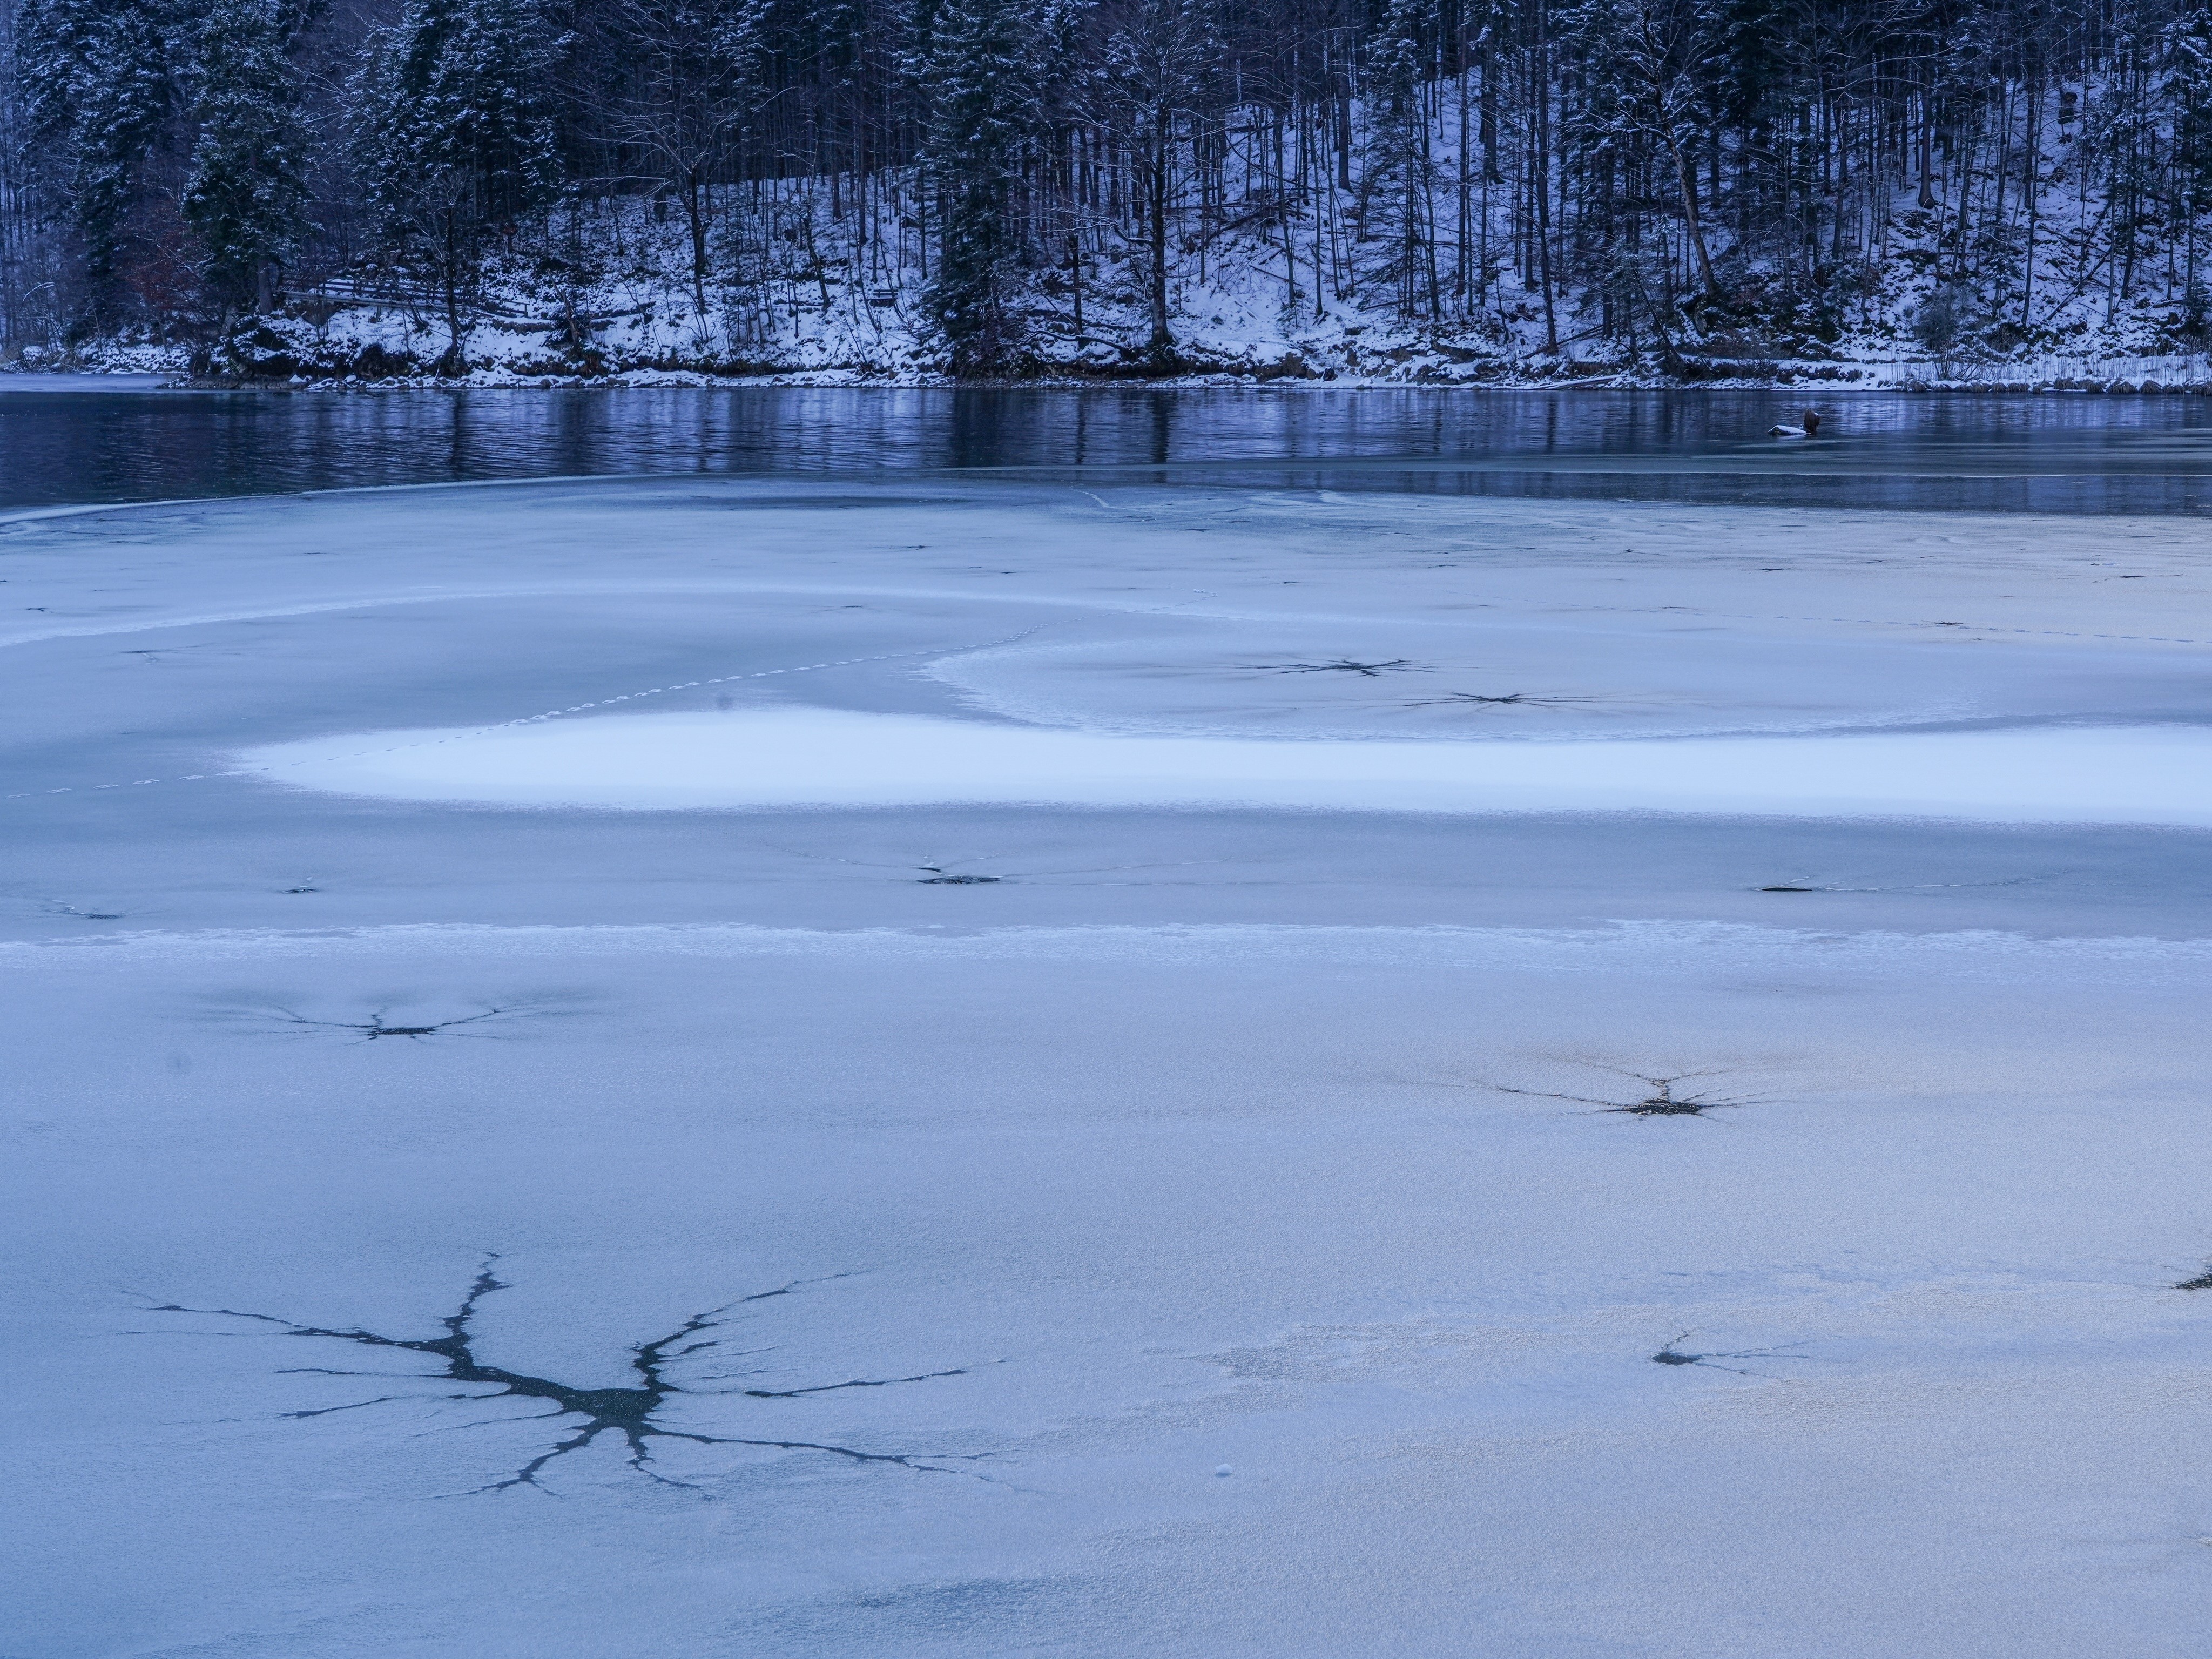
pixel 690 81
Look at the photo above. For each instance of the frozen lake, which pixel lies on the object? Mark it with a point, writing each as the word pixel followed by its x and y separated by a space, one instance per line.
pixel 965 1060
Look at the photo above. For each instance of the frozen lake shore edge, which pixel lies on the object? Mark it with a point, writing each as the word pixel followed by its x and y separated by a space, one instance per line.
pixel 168 371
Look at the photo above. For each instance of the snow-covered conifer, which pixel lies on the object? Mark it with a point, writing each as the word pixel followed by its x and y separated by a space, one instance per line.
pixel 456 136
pixel 982 88
pixel 98 84
pixel 247 191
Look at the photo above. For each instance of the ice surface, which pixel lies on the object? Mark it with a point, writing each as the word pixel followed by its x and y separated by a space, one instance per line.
pixel 106 383
pixel 1146 1139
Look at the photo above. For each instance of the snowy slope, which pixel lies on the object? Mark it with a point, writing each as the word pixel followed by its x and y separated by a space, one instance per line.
pixel 855 312
pixel 806 281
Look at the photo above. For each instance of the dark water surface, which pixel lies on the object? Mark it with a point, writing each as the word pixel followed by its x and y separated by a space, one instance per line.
pixel 2064 453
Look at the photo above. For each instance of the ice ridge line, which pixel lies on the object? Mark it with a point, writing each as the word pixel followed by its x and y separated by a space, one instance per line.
pixel 1883 621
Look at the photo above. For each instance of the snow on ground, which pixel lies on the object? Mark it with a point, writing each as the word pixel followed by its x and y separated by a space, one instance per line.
pixel 904 1224
pixel 817 286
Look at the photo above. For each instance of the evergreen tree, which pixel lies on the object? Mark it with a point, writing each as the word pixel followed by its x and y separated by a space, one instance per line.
pixel 456 139
pixel 98 90
pixel 248 188
pixel 982 85
pixel 2188 45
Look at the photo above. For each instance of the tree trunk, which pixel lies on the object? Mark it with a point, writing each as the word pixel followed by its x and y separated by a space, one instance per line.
pixel 454 361
pixel 1927 153
pixel 1686 179
pixel 1543 191
pixel 1075 277
pixel 695 212
pixel 1161 345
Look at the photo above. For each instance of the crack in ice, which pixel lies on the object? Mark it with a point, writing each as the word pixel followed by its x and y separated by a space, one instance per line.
pixel 628 1412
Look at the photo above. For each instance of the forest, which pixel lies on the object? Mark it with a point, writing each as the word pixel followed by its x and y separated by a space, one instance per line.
pixel 994 188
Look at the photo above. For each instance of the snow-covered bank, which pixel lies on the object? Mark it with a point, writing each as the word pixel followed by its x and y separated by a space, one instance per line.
pixel 281 355
pixel 801 291
pixel 1100 1230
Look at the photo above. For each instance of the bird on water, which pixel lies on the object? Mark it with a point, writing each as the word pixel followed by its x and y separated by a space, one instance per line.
pixel 1809 429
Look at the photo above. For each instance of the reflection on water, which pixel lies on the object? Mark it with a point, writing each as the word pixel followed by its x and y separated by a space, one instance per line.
pixel 2053 454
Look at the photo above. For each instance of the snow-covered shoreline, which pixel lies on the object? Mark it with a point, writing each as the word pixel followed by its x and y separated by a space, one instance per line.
pixel 619 309
pixel 2120 375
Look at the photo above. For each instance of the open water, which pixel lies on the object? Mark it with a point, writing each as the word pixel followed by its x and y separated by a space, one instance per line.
pixel 2061 453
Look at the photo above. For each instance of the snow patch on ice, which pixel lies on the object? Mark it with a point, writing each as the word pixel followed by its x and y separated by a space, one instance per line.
pixel 819 756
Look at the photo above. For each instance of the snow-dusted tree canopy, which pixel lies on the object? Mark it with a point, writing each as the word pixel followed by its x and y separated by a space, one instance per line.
pixel 1121 186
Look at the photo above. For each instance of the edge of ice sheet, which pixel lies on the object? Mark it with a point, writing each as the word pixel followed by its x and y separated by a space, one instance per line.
pixel 1981 953
pixel 32 380
pixel 802 757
